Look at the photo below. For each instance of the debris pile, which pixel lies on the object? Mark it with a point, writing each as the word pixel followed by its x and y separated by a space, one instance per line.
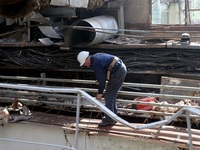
pixel 14 113
pixel 163 107
pixel 4 115
pixel 186 102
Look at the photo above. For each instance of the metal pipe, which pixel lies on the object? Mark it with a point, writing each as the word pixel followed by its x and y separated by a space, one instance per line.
pixel 176 115
pixel 5 99
pixel 93 82
pixel 77 120
pixel 73 97
pixel 43 75
pixel 150 125
pixel 186 12
pixel 37 94
pixel 128 30
pixel 154 113
pixel 122 101
pixel 36 143
pixel 94 37
pixel 68 90
pixel 189 129
pixel 174 87
pixel 143 37
pixel 149 94
pixel 103 108
pixel 154 104
pixel 160 95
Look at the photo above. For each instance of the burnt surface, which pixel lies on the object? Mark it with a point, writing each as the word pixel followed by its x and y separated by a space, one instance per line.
pixel 15 9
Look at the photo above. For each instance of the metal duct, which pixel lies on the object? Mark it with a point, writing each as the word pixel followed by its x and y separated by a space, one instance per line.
pixel 94 35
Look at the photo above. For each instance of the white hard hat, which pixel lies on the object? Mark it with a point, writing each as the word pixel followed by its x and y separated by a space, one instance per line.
pixel 81 57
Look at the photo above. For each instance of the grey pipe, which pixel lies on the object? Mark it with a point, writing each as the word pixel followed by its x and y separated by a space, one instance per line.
pixel 94 35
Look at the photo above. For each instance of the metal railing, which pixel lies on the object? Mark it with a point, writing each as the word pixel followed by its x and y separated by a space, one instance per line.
pixel 185 110
pixel 122 111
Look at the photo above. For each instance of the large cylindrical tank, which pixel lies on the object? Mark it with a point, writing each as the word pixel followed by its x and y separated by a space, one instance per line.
pixel 78 37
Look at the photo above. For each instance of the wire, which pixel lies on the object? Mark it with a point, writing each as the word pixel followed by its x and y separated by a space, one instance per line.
pixel 137 59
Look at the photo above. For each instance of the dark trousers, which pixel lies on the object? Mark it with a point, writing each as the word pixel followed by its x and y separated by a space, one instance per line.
pixel 113 86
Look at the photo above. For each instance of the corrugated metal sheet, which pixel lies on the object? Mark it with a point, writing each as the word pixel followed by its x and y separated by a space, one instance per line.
pixel 177 136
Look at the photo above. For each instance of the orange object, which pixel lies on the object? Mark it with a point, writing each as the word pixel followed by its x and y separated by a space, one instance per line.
pixel 145 107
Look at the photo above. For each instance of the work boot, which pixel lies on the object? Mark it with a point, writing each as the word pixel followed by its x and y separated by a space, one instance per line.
pixel 105 123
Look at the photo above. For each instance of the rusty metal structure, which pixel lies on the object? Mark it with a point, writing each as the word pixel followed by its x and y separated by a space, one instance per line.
pixel 20 90
pixel 158 40
pixel 66 27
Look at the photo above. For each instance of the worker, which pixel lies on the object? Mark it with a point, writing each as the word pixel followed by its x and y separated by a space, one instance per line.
pixel 110 68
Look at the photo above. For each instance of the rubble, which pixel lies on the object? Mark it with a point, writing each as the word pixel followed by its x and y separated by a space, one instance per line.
pixel 185 102
pixel 14 113
pixel 93 4
pixel 4 115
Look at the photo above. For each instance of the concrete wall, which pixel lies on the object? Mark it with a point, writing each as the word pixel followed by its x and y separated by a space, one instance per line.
pixel 59 136
pixel 137 12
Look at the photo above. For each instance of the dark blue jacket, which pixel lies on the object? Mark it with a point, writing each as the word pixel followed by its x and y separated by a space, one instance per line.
pixel 100 63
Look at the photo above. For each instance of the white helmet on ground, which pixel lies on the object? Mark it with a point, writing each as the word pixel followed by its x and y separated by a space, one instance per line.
pixel 81 57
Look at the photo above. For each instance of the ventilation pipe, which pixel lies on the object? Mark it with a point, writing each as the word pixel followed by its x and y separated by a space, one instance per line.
pixel 94 35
